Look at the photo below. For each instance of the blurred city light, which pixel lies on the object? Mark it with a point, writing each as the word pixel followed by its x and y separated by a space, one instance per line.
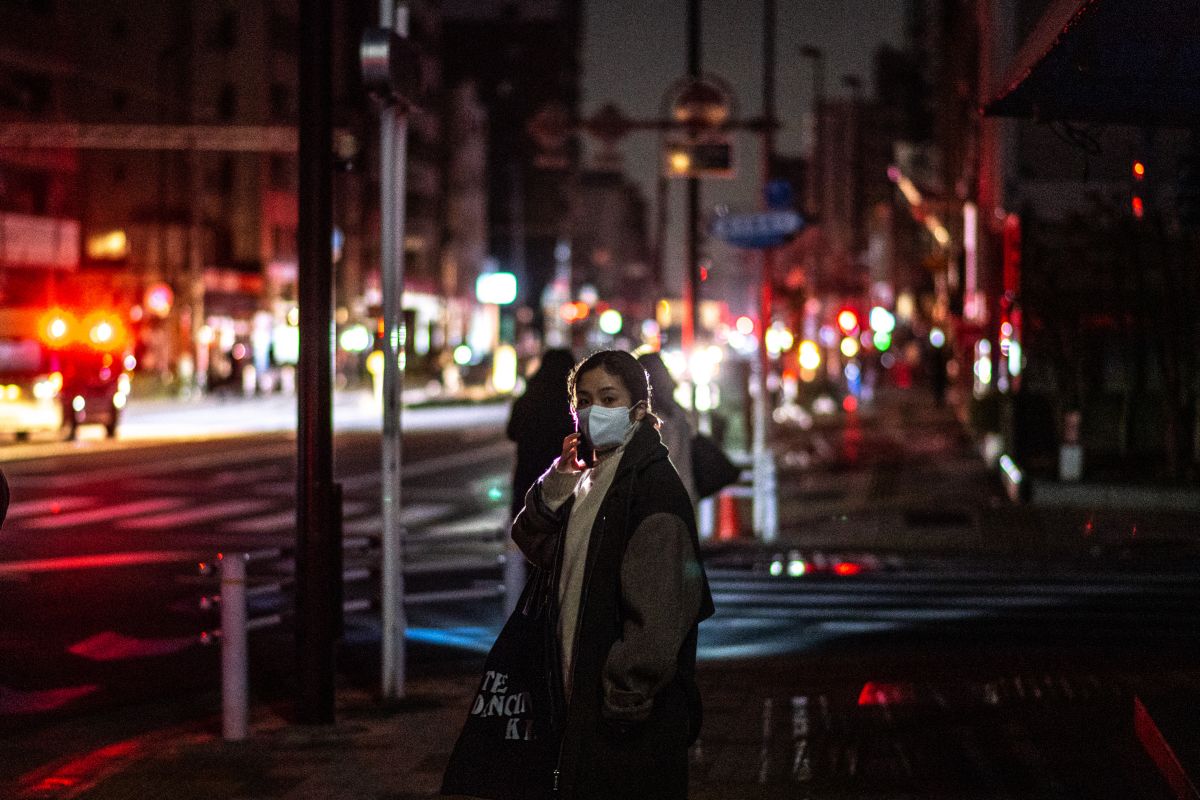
pixel 810 355
pixel 158 300
pixel 611 322
pixel 504 369
pixel 704 364
pixel 574 312
pixel 779 339
pixel 108 246
pixel 463 355
pixel 937 337
pixel 56 327
pixel 983 365
pixel 744 325
pixel 882 320
pixel 1014 358
pixel 882 340
pixel 849 347
pixel 847 320
pixel 496 288
pixel 355 339
pixel 285 344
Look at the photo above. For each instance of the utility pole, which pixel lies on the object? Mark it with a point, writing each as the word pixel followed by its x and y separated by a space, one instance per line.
pixel 318 507
pixel 692 282
pixel 764 504
pixel 391 73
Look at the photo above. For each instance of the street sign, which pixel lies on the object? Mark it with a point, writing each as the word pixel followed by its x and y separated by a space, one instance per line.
pixel 758 230
pixel 711 157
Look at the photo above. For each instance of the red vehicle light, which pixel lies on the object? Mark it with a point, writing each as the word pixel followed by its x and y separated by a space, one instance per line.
pixel 57 328
pixel 105 331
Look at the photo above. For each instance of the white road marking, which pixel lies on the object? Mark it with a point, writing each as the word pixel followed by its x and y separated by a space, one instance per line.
pixel 282 520
pixel 492 521
pixel 204 513
pixel 430 466
pixel 105 514
pixel 99 561
pixel 415 514
pixel 154 466
pixel 33 508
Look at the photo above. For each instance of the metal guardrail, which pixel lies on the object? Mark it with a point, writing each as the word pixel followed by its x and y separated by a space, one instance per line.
pixel 237 588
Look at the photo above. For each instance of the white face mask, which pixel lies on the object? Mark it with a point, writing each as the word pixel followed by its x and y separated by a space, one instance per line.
pixel 605 427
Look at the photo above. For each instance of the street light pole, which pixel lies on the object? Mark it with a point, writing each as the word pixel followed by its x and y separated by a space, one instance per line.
pixel 692 283
pixel 764 507
pixel 393 139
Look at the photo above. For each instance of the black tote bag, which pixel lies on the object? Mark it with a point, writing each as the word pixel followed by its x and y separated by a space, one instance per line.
pixel 509 743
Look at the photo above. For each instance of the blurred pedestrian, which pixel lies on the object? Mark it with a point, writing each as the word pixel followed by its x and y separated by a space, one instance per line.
pixel 612 527
pixel 676 428
pixel 539 420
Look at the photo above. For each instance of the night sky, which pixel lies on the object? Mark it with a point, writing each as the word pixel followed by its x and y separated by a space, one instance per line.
pixel 633 50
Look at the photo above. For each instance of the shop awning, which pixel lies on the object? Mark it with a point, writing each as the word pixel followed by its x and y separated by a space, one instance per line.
pixel 1108 61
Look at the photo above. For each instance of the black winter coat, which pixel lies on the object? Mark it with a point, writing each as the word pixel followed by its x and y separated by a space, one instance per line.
pixel 634 707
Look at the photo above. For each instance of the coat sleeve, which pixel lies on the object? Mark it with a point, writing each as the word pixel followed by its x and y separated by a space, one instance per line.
pixel 661 585
pixel 536 528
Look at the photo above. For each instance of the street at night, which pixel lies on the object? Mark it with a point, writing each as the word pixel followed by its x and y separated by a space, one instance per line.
pixel 930 638
pixel 599 400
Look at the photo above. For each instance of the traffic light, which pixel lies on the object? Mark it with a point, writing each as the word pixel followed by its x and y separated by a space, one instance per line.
pixel 1136 204
pixel 711 158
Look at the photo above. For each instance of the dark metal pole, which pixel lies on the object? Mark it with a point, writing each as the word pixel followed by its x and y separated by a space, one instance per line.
pixel 318 546
pixel 764 507
pixel 693 198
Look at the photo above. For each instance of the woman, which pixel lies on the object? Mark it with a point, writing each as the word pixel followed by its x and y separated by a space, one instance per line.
pixel 540 418
pixel 613 522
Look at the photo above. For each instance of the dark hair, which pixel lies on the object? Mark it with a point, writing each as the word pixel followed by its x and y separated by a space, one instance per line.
pixel 662 384
pixel 619 364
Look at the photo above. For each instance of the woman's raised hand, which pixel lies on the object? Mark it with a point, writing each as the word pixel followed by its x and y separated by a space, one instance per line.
pixel 570 461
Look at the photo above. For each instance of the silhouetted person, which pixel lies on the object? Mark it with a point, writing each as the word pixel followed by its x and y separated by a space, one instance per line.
pixel 937 374
pixel 676 430
pixel 539 421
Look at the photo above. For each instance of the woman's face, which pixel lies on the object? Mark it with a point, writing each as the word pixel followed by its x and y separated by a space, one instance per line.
pixel 600 388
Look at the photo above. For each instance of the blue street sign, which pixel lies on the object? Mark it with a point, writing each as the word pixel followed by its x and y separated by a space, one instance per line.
pixel 758 230
pixel 778 194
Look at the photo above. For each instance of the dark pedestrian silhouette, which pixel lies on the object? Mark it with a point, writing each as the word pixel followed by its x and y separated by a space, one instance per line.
pixel 539 421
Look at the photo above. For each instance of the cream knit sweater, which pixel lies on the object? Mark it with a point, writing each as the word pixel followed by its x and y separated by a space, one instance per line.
pixel 589 487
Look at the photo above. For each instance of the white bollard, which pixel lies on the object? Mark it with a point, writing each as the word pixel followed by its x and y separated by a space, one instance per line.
pixel 234 662
pixel 706 517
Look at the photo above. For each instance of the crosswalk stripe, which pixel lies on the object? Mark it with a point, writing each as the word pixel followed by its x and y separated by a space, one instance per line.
pixel 105 514
pixel 191 516
pixel 430 466
pixel 152 466
pixel 494 521
pixel 98 561
pixel 34 508
pixel 415 514
pixel 281 520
